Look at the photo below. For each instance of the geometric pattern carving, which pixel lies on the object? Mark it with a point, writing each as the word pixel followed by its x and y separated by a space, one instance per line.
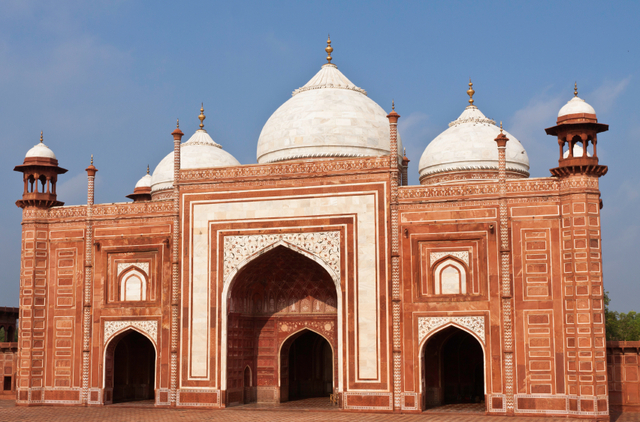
pixel 462 256
pixel 325 245
pixel 428 324
pixel 150 328
pixel 144 266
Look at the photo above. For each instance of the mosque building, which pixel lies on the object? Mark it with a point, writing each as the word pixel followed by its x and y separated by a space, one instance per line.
pixel 320 272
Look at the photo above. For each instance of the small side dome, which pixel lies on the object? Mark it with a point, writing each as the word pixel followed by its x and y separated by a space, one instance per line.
pixel 200 151
pixel 145 181
pixel 576 105
pixel 467 150
pixel 40 150
pixel 142 191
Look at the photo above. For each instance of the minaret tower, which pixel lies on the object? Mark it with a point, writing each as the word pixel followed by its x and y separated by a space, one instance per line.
pixel 578 171
pixel 40 174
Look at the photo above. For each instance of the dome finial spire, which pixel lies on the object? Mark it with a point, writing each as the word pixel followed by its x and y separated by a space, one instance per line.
pixel 393 105
pixel 41 137
pixel 470 92
pixel 147 168
pixel 329 49
pixel 500 126
pixel 575 89
pixel 202 116
pixel 91 159
pixel 177 123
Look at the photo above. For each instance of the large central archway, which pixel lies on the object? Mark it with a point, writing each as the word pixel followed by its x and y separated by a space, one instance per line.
pixel 453 369
pixel 279 293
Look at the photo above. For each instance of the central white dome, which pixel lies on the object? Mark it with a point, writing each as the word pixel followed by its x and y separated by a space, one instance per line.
pixel 328 117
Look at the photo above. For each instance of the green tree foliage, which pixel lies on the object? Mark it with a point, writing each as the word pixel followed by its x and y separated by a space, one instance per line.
pixel 621 326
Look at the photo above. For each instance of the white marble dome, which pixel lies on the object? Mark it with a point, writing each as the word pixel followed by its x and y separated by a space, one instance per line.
pixel 40 150
pixel 329 117
pixel 144 182
pixel 576 105
pixel 200 151
pixel 469 144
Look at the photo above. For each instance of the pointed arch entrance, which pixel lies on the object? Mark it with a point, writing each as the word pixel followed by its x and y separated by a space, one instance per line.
pixel 453 368
pixel 306 366
pixel 277 294
pixel 130 368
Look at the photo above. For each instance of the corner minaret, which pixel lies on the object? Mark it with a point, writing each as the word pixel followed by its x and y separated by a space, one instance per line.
pixel 40 174
pixel 577 130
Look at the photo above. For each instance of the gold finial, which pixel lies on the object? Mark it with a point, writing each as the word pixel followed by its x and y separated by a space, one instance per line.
pixel 500 126
pixel 470 92
pixel 329 49
pixel 575 89
pixel 41 137
pixel 404 152
pixel 177 123
pixel 393 105
pixel 91 159
pixel 147 168
pixel 202 117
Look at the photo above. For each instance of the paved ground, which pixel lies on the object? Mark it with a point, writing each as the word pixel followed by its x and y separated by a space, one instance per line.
pixel 121 413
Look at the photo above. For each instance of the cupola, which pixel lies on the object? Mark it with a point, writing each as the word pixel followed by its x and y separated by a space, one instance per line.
pixel 577 130
pixel 40 172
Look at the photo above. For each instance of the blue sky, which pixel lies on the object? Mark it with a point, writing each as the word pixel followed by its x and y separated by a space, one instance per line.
pixel 110 78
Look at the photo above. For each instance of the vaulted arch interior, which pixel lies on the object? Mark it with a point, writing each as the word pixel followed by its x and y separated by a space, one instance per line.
pixel 278 293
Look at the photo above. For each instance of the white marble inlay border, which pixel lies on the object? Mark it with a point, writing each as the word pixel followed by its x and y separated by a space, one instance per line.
pixel 150 328
pixel 144 266
pixel 429 324
pixel 461 255
pixel 325 245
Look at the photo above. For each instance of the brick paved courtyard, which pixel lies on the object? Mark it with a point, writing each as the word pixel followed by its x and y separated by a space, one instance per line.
pixel 122 413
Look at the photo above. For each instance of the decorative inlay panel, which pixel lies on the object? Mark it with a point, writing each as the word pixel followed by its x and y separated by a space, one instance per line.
pixel 144 266
pixel 461 255
pixel 150 328
pixel 325 245
pixel 429 324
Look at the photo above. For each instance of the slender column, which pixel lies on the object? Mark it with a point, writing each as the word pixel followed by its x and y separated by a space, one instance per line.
pixel 405 168
pixel 88 280
pixel 505 274
pixel 175 264
pixel 395 260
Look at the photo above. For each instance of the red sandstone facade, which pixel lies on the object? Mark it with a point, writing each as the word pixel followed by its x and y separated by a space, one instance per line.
pixel 404 297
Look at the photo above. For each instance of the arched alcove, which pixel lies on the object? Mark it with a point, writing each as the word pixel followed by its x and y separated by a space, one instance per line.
pixel 306 367
pixel 279 292
pixel 130 368
pixel 453 368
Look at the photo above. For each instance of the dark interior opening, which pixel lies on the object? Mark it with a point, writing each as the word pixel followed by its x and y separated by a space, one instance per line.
pixel 310 367
pixel 453 368
pixel 7 384
pixel 134 368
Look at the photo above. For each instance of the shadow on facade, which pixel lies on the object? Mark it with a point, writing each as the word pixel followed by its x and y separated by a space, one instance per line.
pixel 453 369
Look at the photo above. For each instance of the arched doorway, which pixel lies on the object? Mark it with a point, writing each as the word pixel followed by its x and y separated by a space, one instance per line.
pixel 279 293
pixel 130 368
pixel 306 367
pixel 453 369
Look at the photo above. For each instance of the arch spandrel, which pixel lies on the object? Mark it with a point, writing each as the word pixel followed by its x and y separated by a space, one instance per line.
pixel 474 324
pixel 321 247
